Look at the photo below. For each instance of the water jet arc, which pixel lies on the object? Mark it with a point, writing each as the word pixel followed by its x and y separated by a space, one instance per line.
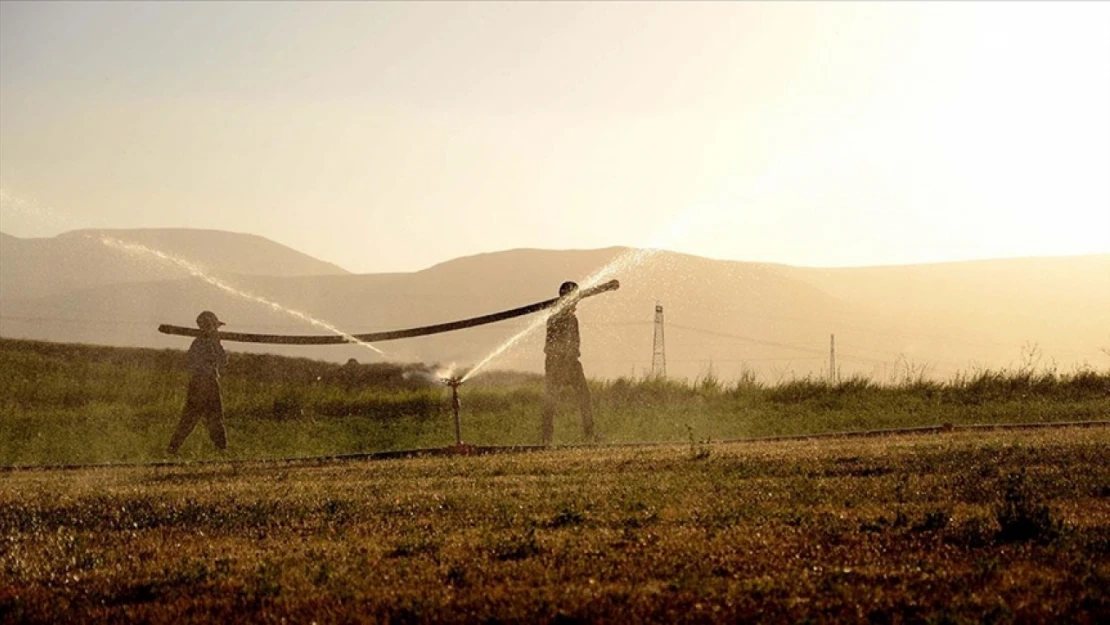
pixel 391 335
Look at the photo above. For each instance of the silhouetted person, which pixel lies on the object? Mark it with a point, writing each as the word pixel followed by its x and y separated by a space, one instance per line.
pixel 202 400
pixel 562 369
pixel 349 374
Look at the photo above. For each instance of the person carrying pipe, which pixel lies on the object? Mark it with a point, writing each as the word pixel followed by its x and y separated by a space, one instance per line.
pixel 562 368
pixel 202 400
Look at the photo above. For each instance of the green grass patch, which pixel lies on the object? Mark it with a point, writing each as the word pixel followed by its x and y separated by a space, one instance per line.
pixel 66 404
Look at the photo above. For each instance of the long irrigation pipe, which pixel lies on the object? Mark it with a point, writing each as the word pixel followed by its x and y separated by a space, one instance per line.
pixel 390 335
pixel 481 450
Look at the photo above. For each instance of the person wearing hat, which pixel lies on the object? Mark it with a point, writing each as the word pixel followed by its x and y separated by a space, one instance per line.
pixel 202 400
pixel 562 369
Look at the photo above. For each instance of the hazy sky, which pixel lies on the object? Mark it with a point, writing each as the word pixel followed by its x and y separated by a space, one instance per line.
pixel 393 136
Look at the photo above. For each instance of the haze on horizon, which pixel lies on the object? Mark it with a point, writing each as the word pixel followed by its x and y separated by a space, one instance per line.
pixel 390 137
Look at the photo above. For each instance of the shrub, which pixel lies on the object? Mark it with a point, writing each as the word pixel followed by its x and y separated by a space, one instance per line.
pixel 1022 514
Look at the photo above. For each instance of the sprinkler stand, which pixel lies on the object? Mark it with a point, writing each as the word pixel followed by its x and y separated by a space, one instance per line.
pixel 459 448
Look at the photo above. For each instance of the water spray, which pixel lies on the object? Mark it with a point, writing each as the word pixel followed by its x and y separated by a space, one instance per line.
pixel 558 304
pixel 198 272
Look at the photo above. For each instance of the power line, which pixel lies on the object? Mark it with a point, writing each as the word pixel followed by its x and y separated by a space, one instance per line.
pixel 822 353
pixel 866 330
pixel 748 339
pixel 688 360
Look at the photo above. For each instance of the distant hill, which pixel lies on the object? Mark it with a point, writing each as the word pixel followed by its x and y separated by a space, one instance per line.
pixel 721 316
pixel 76 260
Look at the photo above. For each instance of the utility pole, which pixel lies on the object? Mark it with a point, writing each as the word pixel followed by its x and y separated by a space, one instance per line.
pixel 658 349
pixel 832 358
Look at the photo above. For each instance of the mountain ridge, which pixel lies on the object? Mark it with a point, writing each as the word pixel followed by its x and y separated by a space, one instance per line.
pixel 722 316
pixel 31 267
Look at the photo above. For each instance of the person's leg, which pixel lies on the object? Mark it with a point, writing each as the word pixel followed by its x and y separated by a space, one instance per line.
pixel 585 406
pixel 550 405
pixel 216 431
pixel 214 414
pixel 190 414
pixel 184 428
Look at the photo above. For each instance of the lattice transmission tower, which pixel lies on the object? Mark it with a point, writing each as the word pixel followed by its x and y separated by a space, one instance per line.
pixel 658 349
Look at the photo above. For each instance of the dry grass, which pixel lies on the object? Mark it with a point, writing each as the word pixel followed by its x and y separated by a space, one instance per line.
pixel 910 529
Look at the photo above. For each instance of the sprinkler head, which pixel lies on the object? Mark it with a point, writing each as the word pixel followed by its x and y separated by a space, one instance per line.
pixel 453 381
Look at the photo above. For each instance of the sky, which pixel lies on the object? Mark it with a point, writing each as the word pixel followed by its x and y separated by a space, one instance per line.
pixel 390 137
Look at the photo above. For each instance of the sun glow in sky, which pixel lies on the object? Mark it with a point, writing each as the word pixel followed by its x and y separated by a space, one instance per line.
pixel 389 137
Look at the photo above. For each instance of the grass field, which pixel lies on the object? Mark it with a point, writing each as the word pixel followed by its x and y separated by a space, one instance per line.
pixel 958 526
pixel 1003 527
pixel 79 404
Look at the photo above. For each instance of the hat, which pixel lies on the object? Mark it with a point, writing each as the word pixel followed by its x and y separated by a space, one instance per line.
pixel 207 320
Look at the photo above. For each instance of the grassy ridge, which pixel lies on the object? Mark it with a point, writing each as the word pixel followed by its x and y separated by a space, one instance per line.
pixel 953 528
pixel 62 403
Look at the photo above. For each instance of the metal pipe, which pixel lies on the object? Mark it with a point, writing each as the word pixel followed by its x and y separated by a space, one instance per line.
pixel 390 335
